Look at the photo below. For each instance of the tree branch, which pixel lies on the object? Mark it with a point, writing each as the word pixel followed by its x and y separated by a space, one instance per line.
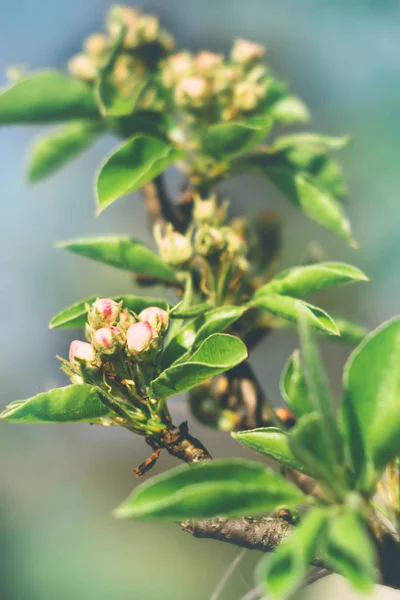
pixel 159 205
pixel 263 534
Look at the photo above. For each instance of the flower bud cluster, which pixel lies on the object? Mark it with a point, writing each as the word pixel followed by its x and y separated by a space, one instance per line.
pixel 117 337
pixel 144 44
pixel 225 88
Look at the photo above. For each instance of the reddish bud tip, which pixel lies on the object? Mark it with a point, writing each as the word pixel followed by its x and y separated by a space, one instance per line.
pixel 139 338
pixel 156 317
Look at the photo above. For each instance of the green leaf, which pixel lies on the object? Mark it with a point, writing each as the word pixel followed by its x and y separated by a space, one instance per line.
pixel 289 109
pixel 117 101
pixel 217 354
pixel 195 332
pixel 131 165
pixel 311 141
pixel 51 152
pixel 47 97
pixel 283 571
pixel 225 140
pixel 289 308
pixel 122 252
pixel 320 394
pixel 317 204
pixel 304 189
pixel 189 313
pixel 348 550
pixel 272 442
pixel 75 316
pixel 230 487
pixel 370 409
pixel 301 281
pixel 294 387
pixel 72 403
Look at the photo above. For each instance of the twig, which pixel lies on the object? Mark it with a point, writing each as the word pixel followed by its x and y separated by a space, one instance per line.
pixel 159 206
pixel 228 573
pixel 253 594
pixel 262 534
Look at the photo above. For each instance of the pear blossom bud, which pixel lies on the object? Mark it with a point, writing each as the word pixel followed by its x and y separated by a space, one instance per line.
pixel 126 319
pixel 175 248
pixel 148 28
pixel 245 52
pixel 96 45
pixel 157 317
pixel 82 66
pixel 141 339
pixel 205 211
pixel 192 91
pixel 104 312
pixel 129 17
pixel 81 352
pixel 245 96
pixel 209 241
pixel 206 61
pixel 108 340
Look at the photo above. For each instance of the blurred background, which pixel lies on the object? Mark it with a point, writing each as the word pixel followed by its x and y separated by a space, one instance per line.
pixel 59 484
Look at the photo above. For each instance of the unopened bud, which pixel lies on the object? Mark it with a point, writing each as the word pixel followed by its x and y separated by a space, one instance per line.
pixel 156 317
pixel 175 248
pixel 192 91
pixel 82 66
pixel 81 352
pixel 129 17
pixel 126 319
pixel 104 312
pixel 96 45
pixel 209 241
pixel 246 95
pixel 245 52
pixel 206 61
pixel 141 340
pixel 205 211
pixel 108 340
pixel 148 28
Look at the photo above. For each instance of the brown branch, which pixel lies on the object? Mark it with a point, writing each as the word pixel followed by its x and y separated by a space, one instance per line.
pixel 159 205
pixel 263 534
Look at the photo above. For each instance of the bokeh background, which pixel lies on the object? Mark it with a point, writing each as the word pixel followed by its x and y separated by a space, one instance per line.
pixel 59 484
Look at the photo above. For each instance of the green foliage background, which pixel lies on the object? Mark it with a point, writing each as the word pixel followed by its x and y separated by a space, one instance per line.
pixel 59 485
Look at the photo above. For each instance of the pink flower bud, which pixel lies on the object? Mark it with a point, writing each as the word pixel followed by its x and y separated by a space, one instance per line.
pixel 139 338
pixel 245 52
pixel 104 312
pixel 192 91
pixel 82 66
pixel 205 61
pixel 157 317
pixel 96 45
pixel 81 351
pixel 107 339
pixel 126 319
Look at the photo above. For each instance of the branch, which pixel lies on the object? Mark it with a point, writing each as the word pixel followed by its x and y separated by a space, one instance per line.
pixel 263 534
pixel 159 205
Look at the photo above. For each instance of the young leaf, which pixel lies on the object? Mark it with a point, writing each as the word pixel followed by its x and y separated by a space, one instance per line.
pixel 47 97
pixel 75 316
pixel 226 487
pixel 131 165
pixel 217 354
pixel 289 109
pixel 51 152
pixel 301 281
pixel 294 388
pixel 319 392
pixel 189 313
pixel 225 140
pixel 122 252
pixel 370 408
pixel 348 550
pixel 310 141
pixel 289 308
pixel 283 571
pixel 78 402
pixel 195 332
pixel 272 442
pixel 115 101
